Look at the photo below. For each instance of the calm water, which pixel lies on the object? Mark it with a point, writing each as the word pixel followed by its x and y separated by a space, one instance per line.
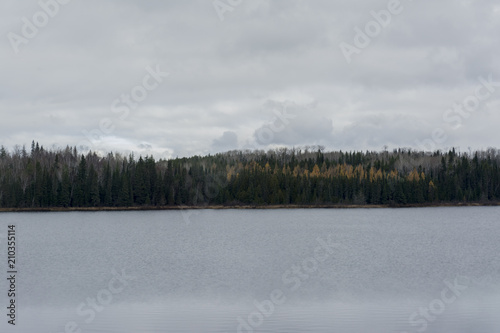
pixel 363 270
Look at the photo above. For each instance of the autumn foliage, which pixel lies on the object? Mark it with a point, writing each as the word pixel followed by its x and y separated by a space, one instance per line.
pixel 67 178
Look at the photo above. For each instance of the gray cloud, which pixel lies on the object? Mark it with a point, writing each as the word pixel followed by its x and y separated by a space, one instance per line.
pixel 294 125
pixel 228 141
pixel 224 73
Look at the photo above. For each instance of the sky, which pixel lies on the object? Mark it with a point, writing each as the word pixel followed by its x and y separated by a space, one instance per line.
pixel 196 77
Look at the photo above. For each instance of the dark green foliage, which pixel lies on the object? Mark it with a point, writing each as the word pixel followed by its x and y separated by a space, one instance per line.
pixel 62 178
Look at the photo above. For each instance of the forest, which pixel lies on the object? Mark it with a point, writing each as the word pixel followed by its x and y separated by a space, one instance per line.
pixel 64 177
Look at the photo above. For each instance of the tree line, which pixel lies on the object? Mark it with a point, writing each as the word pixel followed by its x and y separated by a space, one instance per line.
pixel 66 178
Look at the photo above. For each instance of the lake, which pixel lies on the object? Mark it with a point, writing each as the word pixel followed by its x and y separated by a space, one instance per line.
pixel 289 270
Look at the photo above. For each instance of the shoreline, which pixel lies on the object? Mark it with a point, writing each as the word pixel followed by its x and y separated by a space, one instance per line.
pixel 214 207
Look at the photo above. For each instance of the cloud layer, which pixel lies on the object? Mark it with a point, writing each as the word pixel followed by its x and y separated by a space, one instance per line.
pixel 80 73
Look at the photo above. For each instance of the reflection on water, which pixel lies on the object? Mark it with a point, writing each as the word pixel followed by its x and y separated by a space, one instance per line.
pixel 383 270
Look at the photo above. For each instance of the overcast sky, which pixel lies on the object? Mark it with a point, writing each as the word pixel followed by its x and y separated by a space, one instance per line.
pixel 184 77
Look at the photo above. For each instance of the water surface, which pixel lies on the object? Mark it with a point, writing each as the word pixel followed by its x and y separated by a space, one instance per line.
pixel 355 270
